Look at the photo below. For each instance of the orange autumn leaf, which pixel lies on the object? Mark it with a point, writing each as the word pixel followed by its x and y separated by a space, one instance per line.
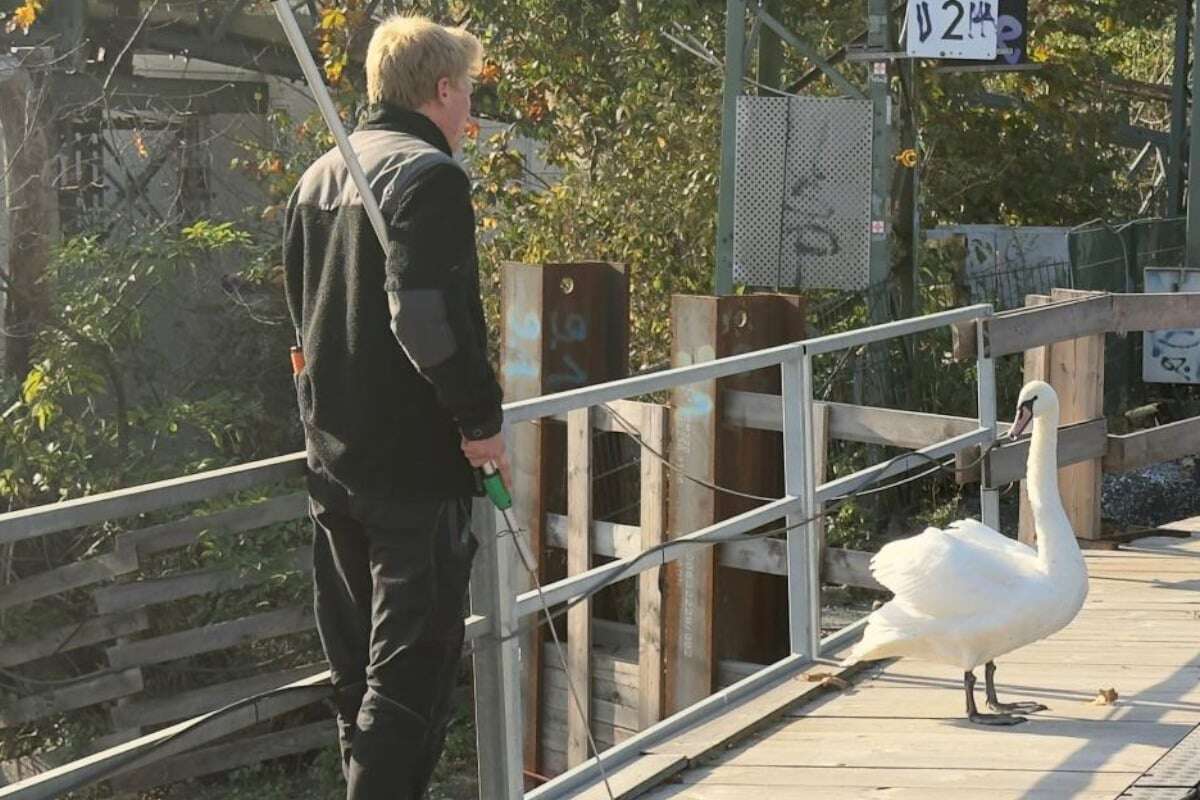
pixel 24 16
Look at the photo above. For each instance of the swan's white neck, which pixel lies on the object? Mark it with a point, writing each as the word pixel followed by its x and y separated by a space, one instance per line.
pixel 1055 539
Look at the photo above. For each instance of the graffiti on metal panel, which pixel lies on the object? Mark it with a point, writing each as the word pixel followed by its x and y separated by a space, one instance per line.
pixel 808 212
pixel 566 330
pixel 1175 352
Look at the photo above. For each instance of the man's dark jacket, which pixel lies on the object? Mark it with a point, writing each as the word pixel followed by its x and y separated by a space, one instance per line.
pixel 395 346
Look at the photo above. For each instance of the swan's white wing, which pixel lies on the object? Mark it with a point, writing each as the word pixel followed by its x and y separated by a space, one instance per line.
pixel 953 572
pixel 974 531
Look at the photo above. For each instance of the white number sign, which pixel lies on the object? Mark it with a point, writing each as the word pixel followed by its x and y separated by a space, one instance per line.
pixel 952 29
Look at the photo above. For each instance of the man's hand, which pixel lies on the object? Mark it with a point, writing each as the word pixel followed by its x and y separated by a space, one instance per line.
pixel 481 451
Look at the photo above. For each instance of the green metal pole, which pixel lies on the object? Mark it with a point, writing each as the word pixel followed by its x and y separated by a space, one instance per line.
pixel 879 85
pixel 735 46
pixel 1177 155
pixel 1193 206
pixel 770 49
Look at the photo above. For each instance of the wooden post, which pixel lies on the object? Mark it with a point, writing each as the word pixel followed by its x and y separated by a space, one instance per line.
pixel 752 612
pixel 579 559
pixel 1075 368
pixel 820 466
pixel 653 494
pixel 564 326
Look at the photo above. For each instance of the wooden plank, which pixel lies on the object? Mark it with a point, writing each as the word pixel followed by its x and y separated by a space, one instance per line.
pixel 183 532
pixel 602 712
pixel 653 494
pixel 140 594
pixel 1154 312
pixel 68 577
pixel 219 636
pixel 964 340
pixel 846 567
pixel 81 694
pixel 148 711
pixel 609 539
pixel 72 637
pixel 1080 442
pixel 730 671
pixel 631 782
pixel 851 423
pixel 1061 784
pixel 521 373
pixel 579 560
pixel 1143 448
pixel 164 743
pixel 850 568
pixel 1077 373
pixel 229 755
pixel 1023 329
pixel 16 526
pixel 605 686
pixel 784 792
pixel 688 599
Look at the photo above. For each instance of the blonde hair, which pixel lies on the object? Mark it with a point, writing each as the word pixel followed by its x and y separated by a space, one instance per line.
pixel 408 55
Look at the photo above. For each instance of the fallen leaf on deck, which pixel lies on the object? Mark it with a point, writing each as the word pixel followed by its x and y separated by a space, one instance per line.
pixel 827 679
pixel 1105 697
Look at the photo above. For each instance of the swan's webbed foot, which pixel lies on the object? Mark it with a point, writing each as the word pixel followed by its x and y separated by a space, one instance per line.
pixel 1024 707
pixel 993 702
pixel 995 719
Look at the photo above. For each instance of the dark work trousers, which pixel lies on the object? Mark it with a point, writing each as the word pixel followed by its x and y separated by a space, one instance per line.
pixel 390 582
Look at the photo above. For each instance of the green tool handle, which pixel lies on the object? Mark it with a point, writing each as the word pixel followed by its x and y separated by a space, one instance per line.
pixel 493 484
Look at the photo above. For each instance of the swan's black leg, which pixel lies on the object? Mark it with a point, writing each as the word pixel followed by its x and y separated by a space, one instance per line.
pixel 989 675
pixel 973 712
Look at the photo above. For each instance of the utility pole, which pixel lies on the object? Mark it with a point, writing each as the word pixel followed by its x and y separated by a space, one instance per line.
pixel 735 49
pixel 879 39
pixel 1193 206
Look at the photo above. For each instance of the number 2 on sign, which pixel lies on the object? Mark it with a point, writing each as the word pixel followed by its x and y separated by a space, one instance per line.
pixel 952 29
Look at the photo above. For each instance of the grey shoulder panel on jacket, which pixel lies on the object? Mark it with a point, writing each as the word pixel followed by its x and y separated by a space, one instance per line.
pixel 392 161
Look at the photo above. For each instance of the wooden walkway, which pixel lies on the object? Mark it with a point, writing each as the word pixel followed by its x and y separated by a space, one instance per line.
pixel 898 731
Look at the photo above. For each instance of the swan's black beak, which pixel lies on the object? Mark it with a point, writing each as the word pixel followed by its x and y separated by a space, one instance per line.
pixel 1024 417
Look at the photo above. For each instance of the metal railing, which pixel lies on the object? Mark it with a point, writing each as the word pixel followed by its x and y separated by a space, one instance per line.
pixel 497 609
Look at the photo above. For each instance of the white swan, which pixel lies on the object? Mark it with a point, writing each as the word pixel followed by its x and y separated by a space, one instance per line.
pixel 967 594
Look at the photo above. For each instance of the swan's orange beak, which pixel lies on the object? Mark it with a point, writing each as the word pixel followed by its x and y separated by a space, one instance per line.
pixel 1024 417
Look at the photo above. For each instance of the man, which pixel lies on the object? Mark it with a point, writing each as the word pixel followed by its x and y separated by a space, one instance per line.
pixel 398 403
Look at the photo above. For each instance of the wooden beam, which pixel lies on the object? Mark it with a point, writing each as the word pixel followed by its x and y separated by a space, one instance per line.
pixel 1143 448
pixel 841 566
pixel 653 493
pixel 85 692
pixel 1082 441
pixel 16 526
pixel 161 744
pixel 72 637
pixel 142 594
pixel 579 560
pixel 609 539
pixel 184 532
pixel 144 712
pixel 65 578
pixel 219 636
pixel 1154 312
pixel 1023 329
pixel 229 755
pixel 851 423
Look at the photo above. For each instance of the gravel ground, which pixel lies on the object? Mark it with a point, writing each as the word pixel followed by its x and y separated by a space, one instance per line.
pixel 1153 496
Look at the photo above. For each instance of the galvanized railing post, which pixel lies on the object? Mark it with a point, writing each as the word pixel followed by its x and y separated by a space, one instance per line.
pixel 989 499
pixel 803 549
pixel 497 668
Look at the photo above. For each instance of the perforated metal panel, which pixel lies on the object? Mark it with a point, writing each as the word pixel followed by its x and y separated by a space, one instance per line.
pixel 802 196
